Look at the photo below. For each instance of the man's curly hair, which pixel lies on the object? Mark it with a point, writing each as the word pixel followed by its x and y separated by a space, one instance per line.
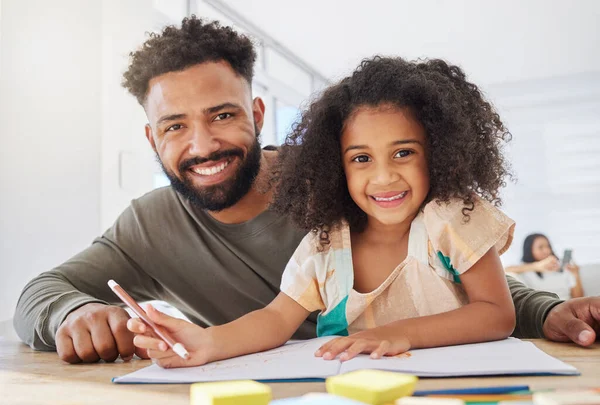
pixel 176 49
pixel 464 140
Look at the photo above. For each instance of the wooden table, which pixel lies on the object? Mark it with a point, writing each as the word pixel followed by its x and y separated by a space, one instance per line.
pixel 29 377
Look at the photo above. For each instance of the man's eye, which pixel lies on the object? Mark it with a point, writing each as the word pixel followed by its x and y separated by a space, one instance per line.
pixel 361 159
pixel 403 153
pixel 175 127
pixel 223 116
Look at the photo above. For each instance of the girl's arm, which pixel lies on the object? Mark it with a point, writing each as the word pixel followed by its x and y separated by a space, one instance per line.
pixel 489 315
pixel 259 330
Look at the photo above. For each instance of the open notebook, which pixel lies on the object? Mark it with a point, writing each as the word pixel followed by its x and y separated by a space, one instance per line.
pixel 296 361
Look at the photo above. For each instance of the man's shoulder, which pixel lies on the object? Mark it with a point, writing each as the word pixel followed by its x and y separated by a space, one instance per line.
pixel 160 203
pixel 162 195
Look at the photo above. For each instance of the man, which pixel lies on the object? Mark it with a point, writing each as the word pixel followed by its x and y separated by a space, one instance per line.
pixel 209 244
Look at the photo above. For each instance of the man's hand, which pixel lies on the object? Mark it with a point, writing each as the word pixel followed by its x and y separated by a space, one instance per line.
pixel 93 332
pixel 576 320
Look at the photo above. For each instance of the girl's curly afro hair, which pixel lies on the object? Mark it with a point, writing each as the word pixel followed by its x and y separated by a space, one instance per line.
pixel 464 140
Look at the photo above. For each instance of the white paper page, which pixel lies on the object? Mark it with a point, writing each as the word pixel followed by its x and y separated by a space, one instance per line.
pixel 509 356
pixel 295 360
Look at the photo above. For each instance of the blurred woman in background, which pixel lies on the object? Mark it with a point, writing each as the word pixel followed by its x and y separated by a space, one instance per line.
pixel 541 269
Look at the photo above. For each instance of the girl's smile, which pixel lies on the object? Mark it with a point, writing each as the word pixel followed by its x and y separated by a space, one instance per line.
pixel 390 199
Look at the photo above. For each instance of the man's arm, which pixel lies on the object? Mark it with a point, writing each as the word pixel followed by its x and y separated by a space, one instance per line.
pixel 47 299
pixel 72 310
pixel 532 308
pixel 541 314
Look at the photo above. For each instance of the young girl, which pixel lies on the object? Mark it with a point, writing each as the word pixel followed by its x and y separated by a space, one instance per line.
pixel 395 170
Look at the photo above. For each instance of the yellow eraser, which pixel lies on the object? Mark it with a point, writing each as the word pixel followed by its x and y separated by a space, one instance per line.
pixel 230 393
pixel 372 386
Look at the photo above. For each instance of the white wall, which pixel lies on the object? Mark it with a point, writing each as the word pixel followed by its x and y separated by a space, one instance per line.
pixel 494 40
pixel 127 158
pixel 72 138
pixel 556 143
pixel 50 127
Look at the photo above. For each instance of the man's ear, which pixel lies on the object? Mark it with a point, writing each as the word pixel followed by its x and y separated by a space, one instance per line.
pixel 258 112
pixel 149 137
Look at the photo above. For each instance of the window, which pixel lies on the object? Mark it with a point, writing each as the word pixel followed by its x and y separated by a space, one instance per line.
pixel 285 116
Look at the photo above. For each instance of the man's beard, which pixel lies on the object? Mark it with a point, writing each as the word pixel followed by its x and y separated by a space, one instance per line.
pixel 225 194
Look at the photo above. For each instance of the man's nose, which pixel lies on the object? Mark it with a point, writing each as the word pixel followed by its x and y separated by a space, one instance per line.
pixel 202 143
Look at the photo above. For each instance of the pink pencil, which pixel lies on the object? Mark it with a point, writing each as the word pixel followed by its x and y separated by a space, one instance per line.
pixel 160 331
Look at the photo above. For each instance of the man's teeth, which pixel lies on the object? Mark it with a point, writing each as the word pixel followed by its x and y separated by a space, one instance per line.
pixel 396 197
pixel 209 171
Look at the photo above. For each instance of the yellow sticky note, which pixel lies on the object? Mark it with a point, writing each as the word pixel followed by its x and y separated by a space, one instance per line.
pixel 372 386
pixel 230 393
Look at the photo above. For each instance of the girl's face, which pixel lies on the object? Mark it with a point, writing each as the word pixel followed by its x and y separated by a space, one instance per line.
pixel 384 157
pixel 540 249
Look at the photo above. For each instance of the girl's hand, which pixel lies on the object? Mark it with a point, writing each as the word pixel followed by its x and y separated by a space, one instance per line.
pixel 549 264
pixel 196 340
pixel 349 347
